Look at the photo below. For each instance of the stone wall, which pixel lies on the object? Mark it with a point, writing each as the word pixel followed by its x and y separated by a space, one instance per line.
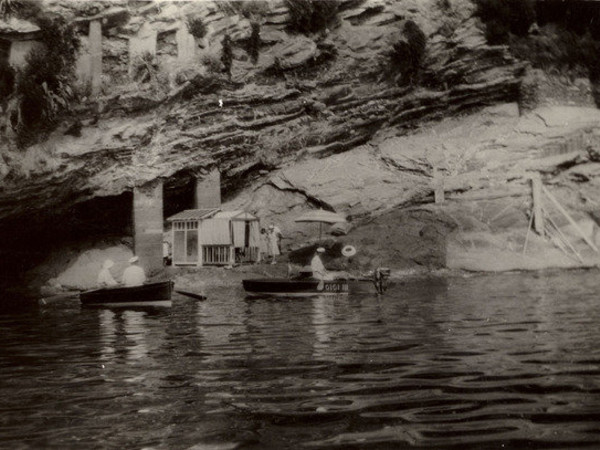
pixel 114 39
pixel 19 49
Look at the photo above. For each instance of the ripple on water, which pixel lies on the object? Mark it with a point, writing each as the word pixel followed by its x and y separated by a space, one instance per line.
pixel 480 362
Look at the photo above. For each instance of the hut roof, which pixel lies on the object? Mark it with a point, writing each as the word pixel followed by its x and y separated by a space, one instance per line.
pixel 194 214
pixel 235 215
pixel 14 28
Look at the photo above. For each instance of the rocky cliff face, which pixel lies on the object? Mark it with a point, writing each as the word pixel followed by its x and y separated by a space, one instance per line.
pixel 319 119
pixel 329 94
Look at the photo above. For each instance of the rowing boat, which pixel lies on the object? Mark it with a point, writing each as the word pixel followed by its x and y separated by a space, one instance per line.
pixel 283 287
pixel 306 286
pixel 150 294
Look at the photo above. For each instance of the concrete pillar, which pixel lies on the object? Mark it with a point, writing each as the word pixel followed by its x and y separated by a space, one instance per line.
pixel 20 49
pixel 148 225
pixel 83 62
pixel 186 45
pixel 208 191
pixel 144 42
pixel 95 48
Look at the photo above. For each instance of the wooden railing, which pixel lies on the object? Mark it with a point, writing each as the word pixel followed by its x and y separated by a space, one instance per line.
pixel 216 254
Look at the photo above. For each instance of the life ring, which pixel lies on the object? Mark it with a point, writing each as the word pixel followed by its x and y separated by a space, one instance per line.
pixel 348 251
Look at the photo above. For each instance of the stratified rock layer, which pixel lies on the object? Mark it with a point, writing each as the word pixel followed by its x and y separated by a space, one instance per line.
pixel 336 96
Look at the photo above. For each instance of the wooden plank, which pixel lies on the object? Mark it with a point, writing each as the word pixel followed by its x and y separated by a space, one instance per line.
pixel 438 185
pixel 570 219
pixel 538 214
pixel 470 197
pixel 191 294
pixel 528 230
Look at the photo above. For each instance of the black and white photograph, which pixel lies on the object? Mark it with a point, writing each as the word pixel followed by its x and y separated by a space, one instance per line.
pixel 299 224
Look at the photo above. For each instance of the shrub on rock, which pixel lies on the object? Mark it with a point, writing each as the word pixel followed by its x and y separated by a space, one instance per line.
pixel 254 42
pixel 503 17
pixel 7 80
pixel 44 84
pixel 310 16
pixel 408 52
pixel 196 27
pixel 227 55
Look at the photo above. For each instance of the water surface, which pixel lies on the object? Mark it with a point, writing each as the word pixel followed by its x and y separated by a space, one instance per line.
pixel 506 361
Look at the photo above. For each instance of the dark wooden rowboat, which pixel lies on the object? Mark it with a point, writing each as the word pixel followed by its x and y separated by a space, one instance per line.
pixel 305 285
pixel 151 294
pixel 283 287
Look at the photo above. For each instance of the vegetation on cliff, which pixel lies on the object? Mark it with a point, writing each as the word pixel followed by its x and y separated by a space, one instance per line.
pixel 41 90
pixel 557 37
pixel 196 27
pixel 505 17
pixel 407 54
pixel 310 16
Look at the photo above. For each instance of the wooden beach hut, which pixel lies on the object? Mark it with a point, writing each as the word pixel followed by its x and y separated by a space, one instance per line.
pixel 212 237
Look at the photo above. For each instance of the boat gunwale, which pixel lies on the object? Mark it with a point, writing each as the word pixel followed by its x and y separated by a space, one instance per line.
pixel 121 295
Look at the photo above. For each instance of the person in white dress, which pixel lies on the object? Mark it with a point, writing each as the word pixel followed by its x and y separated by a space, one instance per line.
pixel 274 242
pixel 105 278
pixel 134 275
pixel 263 244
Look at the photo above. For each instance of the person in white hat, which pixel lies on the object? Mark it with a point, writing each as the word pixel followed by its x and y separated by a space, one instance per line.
pixel 318 269
pixel 105 278
pixel 134 275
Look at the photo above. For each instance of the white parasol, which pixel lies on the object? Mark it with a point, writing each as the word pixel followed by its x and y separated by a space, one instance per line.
pixel 321 216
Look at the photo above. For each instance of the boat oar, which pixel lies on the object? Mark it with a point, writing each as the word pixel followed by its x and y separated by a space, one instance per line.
pixel 54 298
pixel 191 294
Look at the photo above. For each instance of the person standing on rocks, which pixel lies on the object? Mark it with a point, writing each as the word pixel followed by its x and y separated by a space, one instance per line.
pixel 274 242
pixel 263 245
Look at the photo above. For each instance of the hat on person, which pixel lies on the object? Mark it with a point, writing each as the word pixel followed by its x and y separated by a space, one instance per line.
pixel 133 259
pixel 320 250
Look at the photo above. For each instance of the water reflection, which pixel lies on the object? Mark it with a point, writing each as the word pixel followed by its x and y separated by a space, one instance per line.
pixel 474 362
pixel 126 333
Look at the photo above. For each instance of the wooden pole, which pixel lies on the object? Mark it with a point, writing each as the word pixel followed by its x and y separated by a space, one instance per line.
pixel 438 185
pixel 570 219
pixel 565 240
pixel 528 229
pixel 538 214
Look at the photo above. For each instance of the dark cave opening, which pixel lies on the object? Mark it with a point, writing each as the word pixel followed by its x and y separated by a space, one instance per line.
pixel 96 223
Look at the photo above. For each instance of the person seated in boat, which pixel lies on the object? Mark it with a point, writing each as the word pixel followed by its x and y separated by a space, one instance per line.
pixel 318 269
pixel 134 275
pixel 105 278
